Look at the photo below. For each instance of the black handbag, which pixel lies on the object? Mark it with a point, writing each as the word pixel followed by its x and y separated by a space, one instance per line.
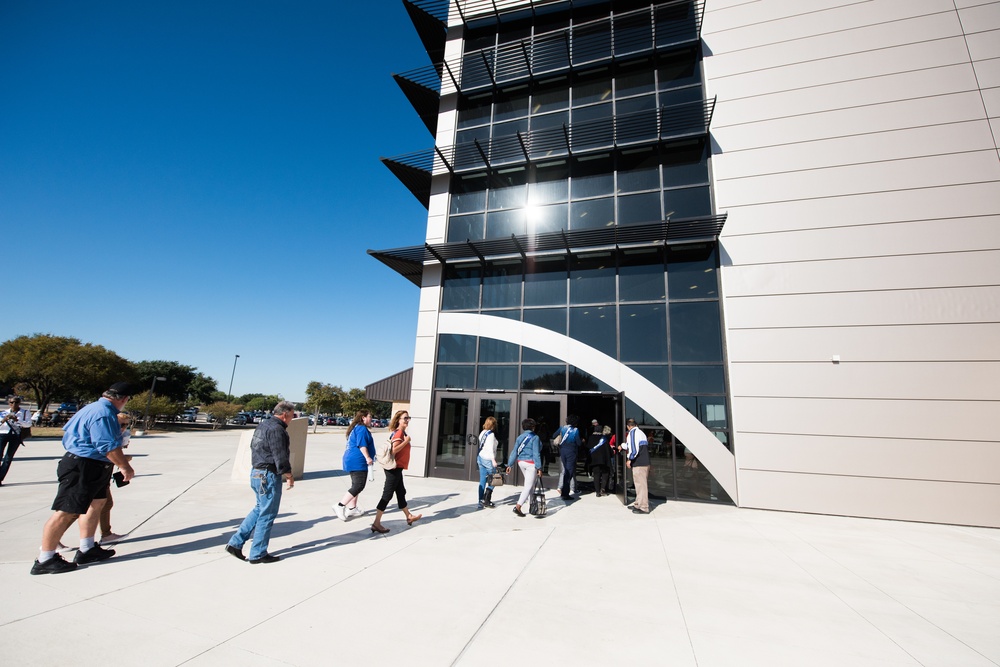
pixel 537 506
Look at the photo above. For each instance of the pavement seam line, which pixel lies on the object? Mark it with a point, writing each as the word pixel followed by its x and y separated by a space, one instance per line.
pixel 299 602
pixel 502 598
pixel 170 502
pixel 677 594
pixel 847 604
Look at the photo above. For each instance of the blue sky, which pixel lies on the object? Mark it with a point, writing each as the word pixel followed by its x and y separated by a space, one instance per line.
pixel 192 180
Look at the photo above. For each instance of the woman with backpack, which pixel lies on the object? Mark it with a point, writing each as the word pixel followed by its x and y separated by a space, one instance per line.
pixel 394 476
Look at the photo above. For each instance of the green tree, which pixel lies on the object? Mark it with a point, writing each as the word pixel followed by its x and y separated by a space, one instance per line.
pixel 322 397
pixel 261 402
pixel 50 367
pixel 159 406
pixel 222 411
pixel 178 377
pixel 216 396
pixel 354 400
pixel 201 389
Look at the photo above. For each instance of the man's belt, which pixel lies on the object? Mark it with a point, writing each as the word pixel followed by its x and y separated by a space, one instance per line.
pixel 270 467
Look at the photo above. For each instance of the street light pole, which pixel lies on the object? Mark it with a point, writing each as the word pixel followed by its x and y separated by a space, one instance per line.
pixel 231 378
pixel 149 400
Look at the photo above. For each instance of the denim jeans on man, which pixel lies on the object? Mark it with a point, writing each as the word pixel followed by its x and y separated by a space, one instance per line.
pixel 267 486
pixel 485 470
pixel 568 457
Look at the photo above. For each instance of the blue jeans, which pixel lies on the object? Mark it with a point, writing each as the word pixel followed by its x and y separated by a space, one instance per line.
pixel 568 457
pixel 485 469
pixel 267 486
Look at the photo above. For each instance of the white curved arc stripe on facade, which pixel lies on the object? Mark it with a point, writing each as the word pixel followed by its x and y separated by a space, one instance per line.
pixel 671 414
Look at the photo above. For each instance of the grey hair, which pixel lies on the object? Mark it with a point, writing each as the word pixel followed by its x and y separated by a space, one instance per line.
pixel 113 395
pixel 283 407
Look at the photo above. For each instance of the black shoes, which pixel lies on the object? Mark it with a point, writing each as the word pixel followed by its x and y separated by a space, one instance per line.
pixel 94 555
pixel 517 511
pixel 636 510
pixel 54 565
pixel 233 551
pixel 266 558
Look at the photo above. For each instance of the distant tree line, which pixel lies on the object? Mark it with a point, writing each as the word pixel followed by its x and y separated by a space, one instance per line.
pixel 46 368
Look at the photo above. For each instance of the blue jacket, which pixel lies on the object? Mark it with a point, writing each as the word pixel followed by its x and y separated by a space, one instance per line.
pixel 93 431
pixel 354 459
pixel 532 450
pixel 570 437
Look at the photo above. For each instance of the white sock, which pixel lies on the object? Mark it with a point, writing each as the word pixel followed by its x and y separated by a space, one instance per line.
pixel 86 544
pixel 45 556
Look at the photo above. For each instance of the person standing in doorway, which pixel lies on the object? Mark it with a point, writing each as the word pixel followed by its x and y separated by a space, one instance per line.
pixel 487 460
pixel 528 456
pixel 359 456
pixel 637 459
pixel 15 424
pixel 600 460
pixel 569 447
pixel 269 451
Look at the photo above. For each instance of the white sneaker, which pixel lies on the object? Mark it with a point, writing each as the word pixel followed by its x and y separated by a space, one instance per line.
pixel 341 512
pixel 355 511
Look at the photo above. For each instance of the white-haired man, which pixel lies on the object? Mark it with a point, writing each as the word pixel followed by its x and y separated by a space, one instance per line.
pixel 269 451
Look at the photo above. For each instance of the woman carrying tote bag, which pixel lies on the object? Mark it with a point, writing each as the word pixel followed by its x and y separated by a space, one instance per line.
pixel 394 476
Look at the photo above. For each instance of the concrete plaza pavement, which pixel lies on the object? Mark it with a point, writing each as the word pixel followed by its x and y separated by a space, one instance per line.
pixel 588 584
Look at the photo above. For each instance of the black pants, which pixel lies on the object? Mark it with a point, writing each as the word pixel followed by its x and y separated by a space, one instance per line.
pixel 602 474
pixel 393 484
pixel 9 442
pixel 568 457
pixel 359 479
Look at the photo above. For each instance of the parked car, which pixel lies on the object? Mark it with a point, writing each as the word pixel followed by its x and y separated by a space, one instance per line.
pixel 67 408
pixel 239 419
pixel 189 415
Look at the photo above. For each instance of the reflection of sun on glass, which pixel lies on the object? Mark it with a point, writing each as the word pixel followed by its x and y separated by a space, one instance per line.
pixel 532 214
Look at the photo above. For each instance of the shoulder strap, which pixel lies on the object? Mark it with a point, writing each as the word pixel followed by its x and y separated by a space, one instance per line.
pixel 522 440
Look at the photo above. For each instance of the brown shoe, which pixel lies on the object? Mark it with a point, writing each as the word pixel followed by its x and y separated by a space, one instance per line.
pixel 413 517
pixel 379 529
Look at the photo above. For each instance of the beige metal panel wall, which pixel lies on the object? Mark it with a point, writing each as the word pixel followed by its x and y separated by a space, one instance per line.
pixel 855 156
pixel 893 343
pixel 931 460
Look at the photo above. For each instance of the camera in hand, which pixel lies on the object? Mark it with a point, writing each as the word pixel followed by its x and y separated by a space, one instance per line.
pixel 119 478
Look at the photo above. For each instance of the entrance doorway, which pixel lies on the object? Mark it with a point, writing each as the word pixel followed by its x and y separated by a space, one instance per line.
pixel 458 420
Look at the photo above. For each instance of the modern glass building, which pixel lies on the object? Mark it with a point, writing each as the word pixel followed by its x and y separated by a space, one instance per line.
pixel 768 231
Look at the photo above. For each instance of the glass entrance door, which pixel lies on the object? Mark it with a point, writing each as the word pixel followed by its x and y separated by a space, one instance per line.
pixel 458 420
pixel 449 456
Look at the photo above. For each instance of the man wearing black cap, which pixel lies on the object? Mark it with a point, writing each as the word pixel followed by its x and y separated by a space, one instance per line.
pixel 93 442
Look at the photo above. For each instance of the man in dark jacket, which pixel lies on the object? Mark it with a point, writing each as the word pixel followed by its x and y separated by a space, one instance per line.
pixel 269 451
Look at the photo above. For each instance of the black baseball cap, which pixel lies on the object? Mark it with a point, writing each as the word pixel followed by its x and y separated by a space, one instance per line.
pixel 122 388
